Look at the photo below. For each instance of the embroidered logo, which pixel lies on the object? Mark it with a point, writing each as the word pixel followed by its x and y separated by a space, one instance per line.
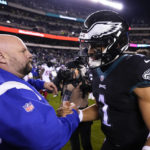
pixel 101 77
pixel 102 86
pixel 146 61
pixel 28 107
pixel 146 75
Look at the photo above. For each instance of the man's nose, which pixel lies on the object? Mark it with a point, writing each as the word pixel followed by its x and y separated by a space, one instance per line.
pixel 30 55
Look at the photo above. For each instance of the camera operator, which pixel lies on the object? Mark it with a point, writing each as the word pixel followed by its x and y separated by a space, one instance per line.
pixel 73 80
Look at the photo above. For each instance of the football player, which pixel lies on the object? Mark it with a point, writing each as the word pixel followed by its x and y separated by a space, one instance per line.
pixel 121 82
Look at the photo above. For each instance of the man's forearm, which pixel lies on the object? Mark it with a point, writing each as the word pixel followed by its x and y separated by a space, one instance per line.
pixel 90 113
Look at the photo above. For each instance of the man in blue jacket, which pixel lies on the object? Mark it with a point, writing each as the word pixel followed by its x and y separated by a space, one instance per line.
pixel 27 121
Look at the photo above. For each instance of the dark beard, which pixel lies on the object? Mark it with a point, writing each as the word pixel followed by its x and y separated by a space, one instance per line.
pixel 27 69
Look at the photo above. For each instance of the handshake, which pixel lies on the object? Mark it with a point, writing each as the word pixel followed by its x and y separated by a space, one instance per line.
pixel 66 109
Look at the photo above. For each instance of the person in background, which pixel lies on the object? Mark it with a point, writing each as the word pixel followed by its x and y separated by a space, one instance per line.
pixel 121 83
pixel 35 71
pixel 46 70
pixel 77 84
pixel 27 121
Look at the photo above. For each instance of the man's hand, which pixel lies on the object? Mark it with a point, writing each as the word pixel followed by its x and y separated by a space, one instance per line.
pixel 66 109
pixel 51 86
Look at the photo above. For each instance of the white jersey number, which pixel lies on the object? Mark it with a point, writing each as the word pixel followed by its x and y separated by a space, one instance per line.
pixel 104 109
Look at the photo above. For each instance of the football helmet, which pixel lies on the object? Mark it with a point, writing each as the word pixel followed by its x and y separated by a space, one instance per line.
pixel 107 30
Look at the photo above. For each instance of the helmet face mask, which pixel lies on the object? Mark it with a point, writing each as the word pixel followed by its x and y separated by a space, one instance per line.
pixel 106 33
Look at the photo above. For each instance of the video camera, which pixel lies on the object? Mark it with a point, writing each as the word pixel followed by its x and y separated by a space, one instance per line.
pixel 73 73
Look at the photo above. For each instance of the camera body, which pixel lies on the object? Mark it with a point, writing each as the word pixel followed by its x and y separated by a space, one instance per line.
pixel 66 75
pixel 75 72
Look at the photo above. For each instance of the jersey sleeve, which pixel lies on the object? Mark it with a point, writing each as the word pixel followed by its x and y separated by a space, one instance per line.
pixel 31 124
pixel 38 84
pixel 142 71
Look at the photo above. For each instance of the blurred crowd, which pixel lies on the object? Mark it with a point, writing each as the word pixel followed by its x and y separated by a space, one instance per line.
pixel 61 7
pixel 41 23
pixel 23 19
pixel 56 56
pixel 49 60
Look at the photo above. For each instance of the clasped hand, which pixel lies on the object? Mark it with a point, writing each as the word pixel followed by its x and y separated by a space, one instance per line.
pixel 66 108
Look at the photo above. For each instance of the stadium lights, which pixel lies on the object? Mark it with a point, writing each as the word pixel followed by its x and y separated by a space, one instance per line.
pixel 3 2
pixel 115 5
pixel 95 1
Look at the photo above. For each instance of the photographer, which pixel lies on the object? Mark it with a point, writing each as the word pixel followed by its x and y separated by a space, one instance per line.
pixel 74 79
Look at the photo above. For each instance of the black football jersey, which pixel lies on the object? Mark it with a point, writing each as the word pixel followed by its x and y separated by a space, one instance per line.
pixel 113 88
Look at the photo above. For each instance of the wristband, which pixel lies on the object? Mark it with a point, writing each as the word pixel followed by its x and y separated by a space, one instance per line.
pixel 146 148
pixel 80 115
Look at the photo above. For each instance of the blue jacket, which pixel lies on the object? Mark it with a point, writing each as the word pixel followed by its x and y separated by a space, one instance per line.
pixel 27 121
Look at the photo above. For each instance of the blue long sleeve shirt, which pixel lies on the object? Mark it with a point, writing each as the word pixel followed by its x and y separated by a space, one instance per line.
pixel 37 84
pixel 27 121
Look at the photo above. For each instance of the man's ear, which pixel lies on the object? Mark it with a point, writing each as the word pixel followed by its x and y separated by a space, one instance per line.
pixel 2 58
